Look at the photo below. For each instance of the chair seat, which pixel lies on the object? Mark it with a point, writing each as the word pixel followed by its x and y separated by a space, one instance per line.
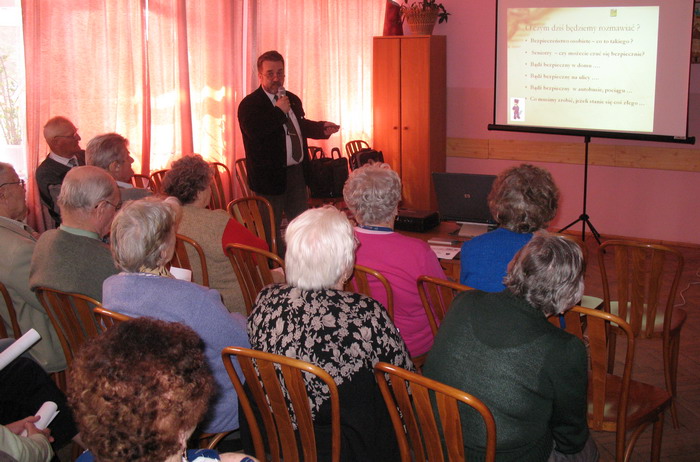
pixel 679 317
pixel 644 400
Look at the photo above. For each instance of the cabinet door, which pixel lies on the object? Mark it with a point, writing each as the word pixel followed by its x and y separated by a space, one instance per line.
pixel 386 89
pixel 415 123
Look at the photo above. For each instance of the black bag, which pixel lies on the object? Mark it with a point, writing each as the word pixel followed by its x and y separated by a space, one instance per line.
pixel 327 174
pixel 365 155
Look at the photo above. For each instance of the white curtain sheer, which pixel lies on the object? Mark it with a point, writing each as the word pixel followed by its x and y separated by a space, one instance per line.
pixel 169 74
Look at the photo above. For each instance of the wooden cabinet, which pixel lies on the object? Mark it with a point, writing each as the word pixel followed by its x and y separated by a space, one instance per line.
pixel 409 112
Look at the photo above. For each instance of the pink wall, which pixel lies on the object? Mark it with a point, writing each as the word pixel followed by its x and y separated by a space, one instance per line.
pixel 643 203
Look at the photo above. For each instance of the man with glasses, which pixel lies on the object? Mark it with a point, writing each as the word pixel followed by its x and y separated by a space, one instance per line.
pixel 110 152
pixel 74 258
pixel 274 135
pixel 17 242
pixel 63 140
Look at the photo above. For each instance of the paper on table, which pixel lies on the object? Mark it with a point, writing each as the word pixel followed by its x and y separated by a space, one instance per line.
pixel 18 347
pixel 445 252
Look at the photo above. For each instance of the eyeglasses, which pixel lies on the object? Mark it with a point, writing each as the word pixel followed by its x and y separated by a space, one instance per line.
pixel 75 136
pixel 20 182
pixel 271 74
pixel 116 206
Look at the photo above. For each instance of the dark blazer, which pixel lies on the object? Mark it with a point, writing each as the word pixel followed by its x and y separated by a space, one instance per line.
pixel 51 173
pixel 262 126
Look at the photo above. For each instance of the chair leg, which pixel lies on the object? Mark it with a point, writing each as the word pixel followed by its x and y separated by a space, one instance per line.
pixel 612 342
pixel 658 431
pixel 671 372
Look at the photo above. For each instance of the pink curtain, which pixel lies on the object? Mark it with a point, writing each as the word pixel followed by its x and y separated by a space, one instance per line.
pixel 169 74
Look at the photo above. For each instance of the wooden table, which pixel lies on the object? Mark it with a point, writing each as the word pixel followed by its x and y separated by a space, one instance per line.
pixel 447 231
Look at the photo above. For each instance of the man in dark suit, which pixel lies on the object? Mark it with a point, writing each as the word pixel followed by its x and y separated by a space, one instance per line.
pixel 274 135
pixel 62 138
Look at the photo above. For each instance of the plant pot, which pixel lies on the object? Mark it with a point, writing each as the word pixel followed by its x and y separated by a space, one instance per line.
pixel 421 22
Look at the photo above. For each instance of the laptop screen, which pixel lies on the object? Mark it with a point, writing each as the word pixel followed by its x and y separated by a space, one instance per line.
pixel 462 196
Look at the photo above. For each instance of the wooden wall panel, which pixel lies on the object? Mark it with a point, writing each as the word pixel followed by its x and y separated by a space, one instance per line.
pixel 660 158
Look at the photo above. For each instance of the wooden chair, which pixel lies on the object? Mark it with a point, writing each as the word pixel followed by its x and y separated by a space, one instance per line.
pixel 360 283
pixel 221 186
pixel 250 212
pixel 141 181
pixel 419 431
pixel 587 301
pixel 634 289
pixel 436 295
pixel 351 147
pixel 242 177
pixel 618 403
pixel 262 372
pixel 11 315
pixel 181 259
pixel 254 268
pixel 109 318
pixel 72 317
pixel 156 180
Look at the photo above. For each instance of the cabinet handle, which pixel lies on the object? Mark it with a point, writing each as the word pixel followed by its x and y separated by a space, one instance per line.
pixel 395 128
pixel 405 128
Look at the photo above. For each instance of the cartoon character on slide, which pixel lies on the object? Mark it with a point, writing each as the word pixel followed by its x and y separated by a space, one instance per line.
pixel 516 109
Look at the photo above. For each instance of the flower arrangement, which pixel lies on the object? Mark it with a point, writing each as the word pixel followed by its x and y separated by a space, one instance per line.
pixel 421 7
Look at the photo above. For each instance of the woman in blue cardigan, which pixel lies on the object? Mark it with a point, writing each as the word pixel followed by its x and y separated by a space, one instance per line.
pixel 522 200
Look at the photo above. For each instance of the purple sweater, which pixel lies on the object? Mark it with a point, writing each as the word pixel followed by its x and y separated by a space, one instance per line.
pixel 139 294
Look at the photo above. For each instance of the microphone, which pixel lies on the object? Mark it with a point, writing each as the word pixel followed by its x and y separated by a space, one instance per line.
pixel 281 92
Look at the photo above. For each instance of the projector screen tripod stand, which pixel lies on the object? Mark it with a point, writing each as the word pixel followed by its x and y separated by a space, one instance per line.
pixel 584 218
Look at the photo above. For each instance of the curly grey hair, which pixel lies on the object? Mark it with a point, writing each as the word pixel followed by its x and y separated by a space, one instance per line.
pixel 372 193
pixel 142 232
pixel 524 198
pixel 548 273
pixel 104 149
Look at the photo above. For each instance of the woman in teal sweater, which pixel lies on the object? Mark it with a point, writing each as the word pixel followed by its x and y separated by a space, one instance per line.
pixel 533 376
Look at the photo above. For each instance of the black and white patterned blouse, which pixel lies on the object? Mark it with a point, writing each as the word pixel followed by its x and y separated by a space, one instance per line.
pixel 344 333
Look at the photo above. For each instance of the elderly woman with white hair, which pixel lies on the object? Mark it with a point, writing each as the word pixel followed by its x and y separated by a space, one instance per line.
pixel 532 375
pixel 372 193
pixel 311 318
pixel 143 243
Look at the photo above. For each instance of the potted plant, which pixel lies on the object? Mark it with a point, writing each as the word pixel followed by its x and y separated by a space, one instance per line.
pixel 421 15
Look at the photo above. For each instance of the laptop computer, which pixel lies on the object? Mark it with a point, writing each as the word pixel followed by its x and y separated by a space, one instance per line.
pixel 462 198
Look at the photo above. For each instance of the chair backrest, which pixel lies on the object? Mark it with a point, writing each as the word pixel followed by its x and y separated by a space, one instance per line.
pixel 360 284
pixel 637 284
pixel 181 258
pixel 255 212
pixel 141 181
pixel 419 431
pixel 156 180
pixel 351 147
pixel 221 186
pixel 72 317
pixel 274 399
pixel 242 177
pixel 254 268
pixel 109 318
pixel 12 315
pixel 436 296
pixel 598 326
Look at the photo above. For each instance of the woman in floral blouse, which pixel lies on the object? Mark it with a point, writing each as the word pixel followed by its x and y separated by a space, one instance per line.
pixel 311 318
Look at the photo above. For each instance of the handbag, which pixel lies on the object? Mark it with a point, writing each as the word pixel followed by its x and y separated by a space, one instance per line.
pixel 327 175
pixel 364 156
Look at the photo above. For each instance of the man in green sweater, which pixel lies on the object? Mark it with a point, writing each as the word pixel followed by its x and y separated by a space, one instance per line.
pixel 73 257
pixel 532 375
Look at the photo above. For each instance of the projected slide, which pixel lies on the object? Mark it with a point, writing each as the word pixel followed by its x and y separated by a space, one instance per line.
pixel 589 68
